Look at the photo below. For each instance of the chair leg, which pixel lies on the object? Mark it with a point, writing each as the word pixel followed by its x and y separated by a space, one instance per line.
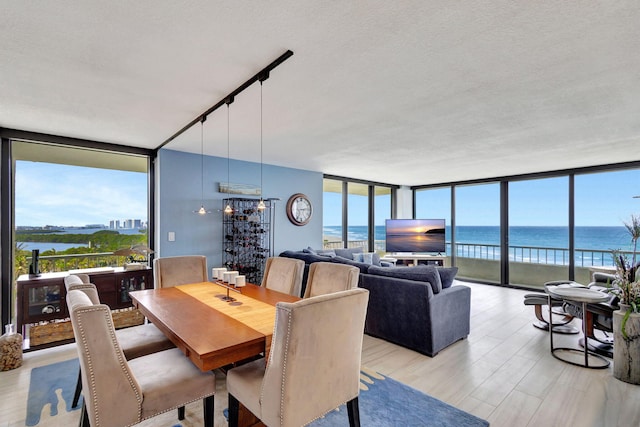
pixel 234 408
pixel 181 413
pixel 208 411
pixel 76 394
pixel 84 416
pixel 354 412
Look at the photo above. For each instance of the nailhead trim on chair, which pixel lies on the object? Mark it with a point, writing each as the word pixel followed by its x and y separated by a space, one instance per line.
pixel 284 367
pixel 114 341
pixel 81 286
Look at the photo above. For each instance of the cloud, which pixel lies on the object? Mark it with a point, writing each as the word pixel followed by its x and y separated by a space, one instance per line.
pixel 52 194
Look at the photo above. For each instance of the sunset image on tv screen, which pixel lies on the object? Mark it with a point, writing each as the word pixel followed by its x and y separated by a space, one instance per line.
pixel 415 235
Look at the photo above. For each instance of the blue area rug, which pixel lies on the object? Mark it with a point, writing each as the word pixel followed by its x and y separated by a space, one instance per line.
pixel 385 402
pixel 45 380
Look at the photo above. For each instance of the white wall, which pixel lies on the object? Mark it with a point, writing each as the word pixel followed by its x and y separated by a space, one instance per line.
pixel 404 205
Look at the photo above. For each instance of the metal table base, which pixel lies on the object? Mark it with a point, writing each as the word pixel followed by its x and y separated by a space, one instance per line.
pixel 591 359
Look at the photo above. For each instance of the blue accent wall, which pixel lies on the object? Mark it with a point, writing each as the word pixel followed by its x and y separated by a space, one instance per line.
pixel 179 190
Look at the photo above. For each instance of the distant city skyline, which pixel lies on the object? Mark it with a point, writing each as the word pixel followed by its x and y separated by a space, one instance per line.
pixel 68 196
pixel 112 225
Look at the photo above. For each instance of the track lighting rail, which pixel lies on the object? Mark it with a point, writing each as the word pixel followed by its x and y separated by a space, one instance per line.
pixel 261 76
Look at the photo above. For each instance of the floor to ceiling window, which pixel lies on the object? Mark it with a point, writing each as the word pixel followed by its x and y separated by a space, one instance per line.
pixel 332 213
pixel 354 213
pixel 539 230
pixel 358 215
pixel 527 230
pixel 477 231
pixel 604 201
pixel 382 212
pixel 435 203
pixel 76 206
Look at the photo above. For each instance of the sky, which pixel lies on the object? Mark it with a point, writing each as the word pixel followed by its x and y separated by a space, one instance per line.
pixel 63 195
pixel 601 199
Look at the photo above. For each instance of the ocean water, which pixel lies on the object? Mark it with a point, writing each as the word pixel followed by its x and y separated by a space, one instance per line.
pixel 588 242
pixel 45 246
pixel 590 238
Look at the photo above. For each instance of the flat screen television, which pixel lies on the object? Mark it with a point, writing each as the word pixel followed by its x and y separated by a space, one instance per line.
pixel 415 235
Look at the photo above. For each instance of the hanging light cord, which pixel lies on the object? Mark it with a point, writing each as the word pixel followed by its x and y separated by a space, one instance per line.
pixel 228 151
pixel 228 209
pixel 261 188
pixel 202 158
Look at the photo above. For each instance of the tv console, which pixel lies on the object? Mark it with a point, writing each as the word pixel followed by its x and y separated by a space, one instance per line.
pixel 417 259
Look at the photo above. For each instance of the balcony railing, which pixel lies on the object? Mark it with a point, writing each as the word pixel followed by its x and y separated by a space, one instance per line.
pixel 523 254
pixel 53 263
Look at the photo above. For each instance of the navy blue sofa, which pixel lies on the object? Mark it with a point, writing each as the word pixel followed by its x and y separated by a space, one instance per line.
pixel 416 307
pixel 409 313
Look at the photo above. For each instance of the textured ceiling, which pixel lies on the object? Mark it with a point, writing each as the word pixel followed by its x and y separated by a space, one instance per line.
pixel 412 92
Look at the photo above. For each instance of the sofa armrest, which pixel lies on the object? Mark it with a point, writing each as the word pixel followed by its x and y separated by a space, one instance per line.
pixel 450 314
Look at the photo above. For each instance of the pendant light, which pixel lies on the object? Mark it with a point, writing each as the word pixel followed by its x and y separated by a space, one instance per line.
pixel 261 205
pixel 202 210
pixel 228 210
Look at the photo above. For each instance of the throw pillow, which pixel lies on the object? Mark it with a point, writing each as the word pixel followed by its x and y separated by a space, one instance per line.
pixel 426 273
pixel 370 258
pixel 376 259
pixel 447 274
pixel 348 253
pixel 367 258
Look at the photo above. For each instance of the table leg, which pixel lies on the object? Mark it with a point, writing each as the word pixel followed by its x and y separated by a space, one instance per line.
pixel 550 323
pixel 584 333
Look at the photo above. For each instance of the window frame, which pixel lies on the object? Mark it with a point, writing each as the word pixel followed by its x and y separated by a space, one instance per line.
pixel 7 188
pixel 371 205
pixel 504 205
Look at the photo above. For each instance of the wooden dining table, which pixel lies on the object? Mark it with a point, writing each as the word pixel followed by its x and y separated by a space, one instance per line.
pixel 210 330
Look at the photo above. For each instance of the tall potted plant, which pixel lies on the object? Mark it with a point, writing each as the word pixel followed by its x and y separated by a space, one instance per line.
pixel 626 320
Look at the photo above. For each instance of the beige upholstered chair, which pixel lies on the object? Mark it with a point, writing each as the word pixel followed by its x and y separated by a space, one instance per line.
pixel 179 270
pixel 283 275
pixel 135 341
pixel 307 375
pixel 327 277
pixel 76 279
pixel 120 392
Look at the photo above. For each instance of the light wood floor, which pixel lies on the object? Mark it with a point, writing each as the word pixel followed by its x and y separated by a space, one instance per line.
pixel 503 373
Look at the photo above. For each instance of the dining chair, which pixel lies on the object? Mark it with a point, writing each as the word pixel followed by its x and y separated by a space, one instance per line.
pixel 307 374
pixel 283 275
pixel 135 341
pixel 327 277
pixel 77 278
pixel 120 392
pixel 179 270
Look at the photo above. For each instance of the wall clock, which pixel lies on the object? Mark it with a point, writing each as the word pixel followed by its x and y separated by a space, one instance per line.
pixel 299 209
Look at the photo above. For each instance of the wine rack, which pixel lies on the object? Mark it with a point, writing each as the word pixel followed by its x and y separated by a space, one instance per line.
pixel 247 237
